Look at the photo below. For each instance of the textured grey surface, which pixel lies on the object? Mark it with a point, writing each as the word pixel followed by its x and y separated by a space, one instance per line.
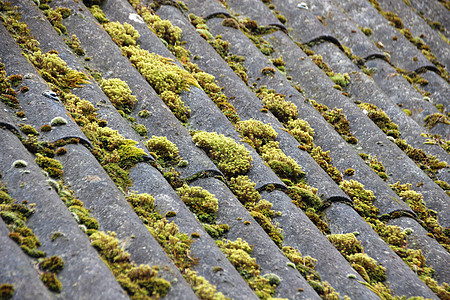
pixel 146 179
pixel 84 274
pixel 397 272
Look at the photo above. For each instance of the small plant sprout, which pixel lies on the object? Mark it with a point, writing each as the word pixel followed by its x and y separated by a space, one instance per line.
pixel 58 121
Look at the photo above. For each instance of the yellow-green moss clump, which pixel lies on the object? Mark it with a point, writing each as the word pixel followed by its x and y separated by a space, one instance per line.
pixel 6 291
pixel 75 44
pixel 433 119
pixel 98 14
pixel 341 79
pixel 55 17
pixel 55 71
pixel 381 119
pixel 15 216
pixel 138 281
pixel 232 158
pixel 353 251
pixel 119 94
pixel 337 119
pixel 429 217
pixel 122 34
pixel 163 150
pixel 306 266
pixel 238 252
pixel 276 103
pixel 375 165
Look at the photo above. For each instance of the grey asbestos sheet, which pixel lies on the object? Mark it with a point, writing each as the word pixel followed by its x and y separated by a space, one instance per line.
pixel 6 120
pixel 146 179
pixel 439 90
pixel 300 233
pixel 419 28
pixel 310 72
pixel 436 256
pixel 18 270
pixel 370 138
pixel 92 185
pixel 401 92
pixel 250 108
pixel 39 109
pixel 206 9
pixel 397 272
pixel 401 51
pixel 84 274
pixel 341 26
pixel 109 60
pixel 434 11
pixel 255 8
pixel 362 88
pixel 267 254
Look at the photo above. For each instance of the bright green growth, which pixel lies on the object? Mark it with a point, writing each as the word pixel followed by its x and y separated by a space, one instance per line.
pixel 375 165
pixel 50 165
pixel 306 266
pixel 366 30
pixel 353 251
pixel 160 71
pixel 433 119
pixel 337 119
pixel 202 288
pixel 6 291
pixel 209 85
pixel 430 164
pixel 201 202
pixel 51 282
pixel 341 79
pixel 98 14
pixel 284 166
pixel 55 17
pixel 137 281
pixel 256 133
pixel 238 253
pixel 232 158
pixel 244 189
pixel 304 198
pixel 28 129
pixel 163 150
pixel 302 132
pixel 283 110
pixel 52 264
pixel 122 34
pixel 381 119
pixel 362 198
pixel 279 63
pixel 55 71
pixel 58 121
pixel 176 105
pixel 430 222
pixel 75 44
pixel 119 94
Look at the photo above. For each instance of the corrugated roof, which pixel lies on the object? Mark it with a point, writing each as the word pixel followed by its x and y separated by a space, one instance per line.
pixel 224 149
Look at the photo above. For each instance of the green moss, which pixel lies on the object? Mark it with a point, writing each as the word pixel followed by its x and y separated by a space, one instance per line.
pixel 20 164
pixel 238 252
pixel 381 119
pixel 46 128
pixel 202 288
pixel 256 133
pixel 428 217
pixel 201 202
pixel 122 34
pixel 244 189
pixel 51 282
pixel 119 94
pixel 341 79
pixel 58 121
pixel 375 165
pixel 163 150
pixel 338 120
pixel 433 119
pixel 231 158
pixel 216 230
pixel 283 110
pixel 75 44
pixel 283 165
pixel 302 132
pixel 349 172
pixel 137 281
pixel 55 71
pixel 28 129
pixel 366 30
pixel 50 165
pixel 52 264
pixel 6 291
pixel 55 17
pixel 98 14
